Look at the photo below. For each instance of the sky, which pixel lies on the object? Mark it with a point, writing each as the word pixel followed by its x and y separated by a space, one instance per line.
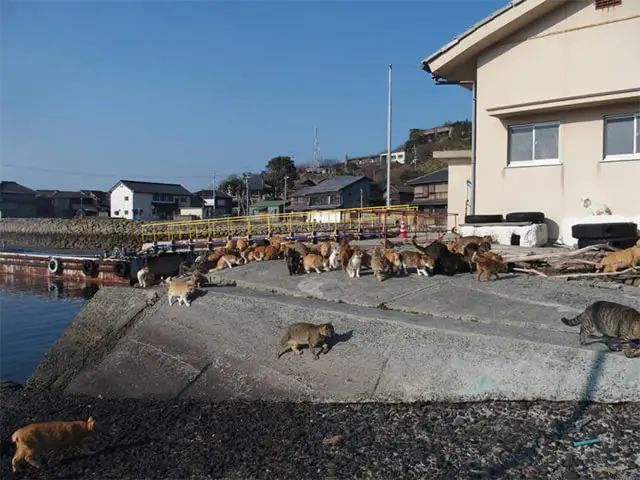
pixel 174 91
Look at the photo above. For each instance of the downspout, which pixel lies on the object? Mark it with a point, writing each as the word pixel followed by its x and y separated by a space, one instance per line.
pixel 437 80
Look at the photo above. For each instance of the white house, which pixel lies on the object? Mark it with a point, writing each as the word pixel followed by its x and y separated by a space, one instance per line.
pixel 148 200
pixel 397 155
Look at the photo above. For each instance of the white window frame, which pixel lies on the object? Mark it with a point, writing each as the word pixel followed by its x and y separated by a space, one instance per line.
pixel 533 163
pixel 623 156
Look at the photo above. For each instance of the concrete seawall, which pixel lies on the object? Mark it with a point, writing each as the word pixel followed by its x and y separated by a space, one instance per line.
pixel 480 343
pixel 83 233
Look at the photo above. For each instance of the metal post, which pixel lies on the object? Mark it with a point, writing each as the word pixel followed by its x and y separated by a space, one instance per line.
pixel 284 207
pixel 213 194
pixel 360 198
pixel 474 121
pixel 389 142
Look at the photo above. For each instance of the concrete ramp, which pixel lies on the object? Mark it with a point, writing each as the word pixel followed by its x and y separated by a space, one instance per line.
pixel 224 346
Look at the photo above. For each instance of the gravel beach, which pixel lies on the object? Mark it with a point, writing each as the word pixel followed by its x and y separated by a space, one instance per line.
pixel 152 439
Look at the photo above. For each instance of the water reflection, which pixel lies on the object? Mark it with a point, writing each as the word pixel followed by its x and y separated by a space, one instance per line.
pixel 51 288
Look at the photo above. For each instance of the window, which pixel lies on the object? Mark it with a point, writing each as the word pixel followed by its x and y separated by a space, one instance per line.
pixel 536 144
pixel 622 137
pixel 126 212
pixel 126 198
pixel 607 3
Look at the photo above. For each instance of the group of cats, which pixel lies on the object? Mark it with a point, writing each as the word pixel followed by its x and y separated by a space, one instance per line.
pixel 609 319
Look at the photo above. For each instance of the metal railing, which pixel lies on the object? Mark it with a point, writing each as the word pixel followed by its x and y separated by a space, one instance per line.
pixel 344 220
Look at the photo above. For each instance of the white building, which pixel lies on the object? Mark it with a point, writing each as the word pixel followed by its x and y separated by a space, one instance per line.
pixel 148 200
pixel 398 155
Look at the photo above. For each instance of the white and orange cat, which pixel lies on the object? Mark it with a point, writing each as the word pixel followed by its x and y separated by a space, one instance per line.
pixel 145 277
pixel 37 439
pixel 180 289
pixel 228 260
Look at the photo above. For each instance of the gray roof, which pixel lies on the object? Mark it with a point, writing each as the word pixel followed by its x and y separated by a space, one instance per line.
pixel 207 194
pixel 438 176
pixel 14 187
pixel 154 187
pixel 334 184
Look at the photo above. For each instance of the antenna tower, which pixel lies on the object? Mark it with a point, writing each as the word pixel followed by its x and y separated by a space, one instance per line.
pixel 316 150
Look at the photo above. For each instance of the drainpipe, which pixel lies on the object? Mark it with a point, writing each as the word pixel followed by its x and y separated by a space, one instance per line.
pixel 474 120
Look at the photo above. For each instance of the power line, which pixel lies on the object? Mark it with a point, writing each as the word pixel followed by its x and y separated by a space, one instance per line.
pixel 90 174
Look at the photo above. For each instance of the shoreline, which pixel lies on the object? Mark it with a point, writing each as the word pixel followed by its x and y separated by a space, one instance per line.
pixel 149 438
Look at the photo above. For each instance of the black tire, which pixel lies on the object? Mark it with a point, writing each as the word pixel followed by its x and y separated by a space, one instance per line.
pixel 88 268
pixel 54 266
pixel 121 269
pixel 483 219
pixel 612 242
pixel 604 230
pixel 533 217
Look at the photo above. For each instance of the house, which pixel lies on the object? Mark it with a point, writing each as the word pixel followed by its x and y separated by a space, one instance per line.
pixel 223 203
pixel 70 204
pixel 400 194
pixel 361 161
pixel 557 114
pixel 16 201
pixel 273 207
pixel 300 184
pixel 148 200
pixel 398 155
pixel 430 193
pixel 335 192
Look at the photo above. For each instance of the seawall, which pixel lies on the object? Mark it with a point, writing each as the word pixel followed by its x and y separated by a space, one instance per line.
pixel 128 343
pixel 82 233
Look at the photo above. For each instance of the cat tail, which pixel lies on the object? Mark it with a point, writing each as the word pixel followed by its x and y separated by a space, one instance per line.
pixel 572 322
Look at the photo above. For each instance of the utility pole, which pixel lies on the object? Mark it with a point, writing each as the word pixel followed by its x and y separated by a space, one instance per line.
pixel 246 186
pixel 360 198
pixel 389 142
pixel 213 194
pixel 286 179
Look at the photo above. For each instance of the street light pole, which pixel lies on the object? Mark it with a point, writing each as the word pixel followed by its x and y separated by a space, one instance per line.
pixel 389 142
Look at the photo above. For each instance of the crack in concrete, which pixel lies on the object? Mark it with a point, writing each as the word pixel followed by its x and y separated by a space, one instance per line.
pixel 387 357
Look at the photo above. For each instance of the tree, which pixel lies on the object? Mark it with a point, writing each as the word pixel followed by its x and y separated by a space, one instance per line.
pixel 278 168
pixel 231 185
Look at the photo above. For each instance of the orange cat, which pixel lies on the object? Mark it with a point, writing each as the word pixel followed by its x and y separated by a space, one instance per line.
pixel 415 260
pixel 271 252
pixel 325 249
pixel 629 257
pixel 313 261
pixel 486 265
pixel 37 439
pixel 230 244
pixel 393 257
pixel 180 289
pixel 242 244
pixel 228 260
pixel 215 255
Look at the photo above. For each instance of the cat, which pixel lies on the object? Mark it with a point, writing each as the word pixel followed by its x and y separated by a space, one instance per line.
pixel 325 249
pixel 271 253
pixel 334 258
pixel 276 242
pixel 294 260
pixel 257 254
pixel 302 248
pixel 242 244
pixel 180 289
pixel 612 320
pixel 215 255
pixel 434 250
pixel 228 260
pixel 38 439
pixel 486 265
pixel 313 261
pixel 416 260
pixel 230 244
pixel 393 257
pixel 197 278
pixel 462 241
pixel 629 257
pixel 354 263
pixel 145 277
pixel 346 251
pixel 306 334
pixel 380 265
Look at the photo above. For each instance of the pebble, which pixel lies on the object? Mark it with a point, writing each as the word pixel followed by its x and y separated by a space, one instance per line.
pixel 238 439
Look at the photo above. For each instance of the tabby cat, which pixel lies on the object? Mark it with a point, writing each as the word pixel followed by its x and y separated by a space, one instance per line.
pixel 610 319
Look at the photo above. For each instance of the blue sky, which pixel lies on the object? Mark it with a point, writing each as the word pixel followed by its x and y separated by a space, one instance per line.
pixel 92 92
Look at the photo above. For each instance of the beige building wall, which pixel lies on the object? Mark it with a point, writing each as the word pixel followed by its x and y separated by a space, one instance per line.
pixel 459 163
pixel 567 68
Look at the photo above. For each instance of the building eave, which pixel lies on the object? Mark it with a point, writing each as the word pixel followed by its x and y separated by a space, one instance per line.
pixel 461 53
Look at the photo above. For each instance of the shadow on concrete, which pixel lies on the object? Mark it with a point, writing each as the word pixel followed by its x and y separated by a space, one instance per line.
pixel 198 293
pixel 340 338
pixel 562 428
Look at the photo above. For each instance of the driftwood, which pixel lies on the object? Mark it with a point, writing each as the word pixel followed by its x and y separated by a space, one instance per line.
pixel 547 256
pixel 573 275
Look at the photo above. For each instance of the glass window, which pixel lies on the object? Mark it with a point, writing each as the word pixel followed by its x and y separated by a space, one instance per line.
pixel 534 143
pixel 621 136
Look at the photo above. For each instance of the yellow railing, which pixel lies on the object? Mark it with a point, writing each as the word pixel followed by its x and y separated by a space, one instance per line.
pixel 345 220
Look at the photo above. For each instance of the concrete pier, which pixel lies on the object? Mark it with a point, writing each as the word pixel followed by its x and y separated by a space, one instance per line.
pixel 406 339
